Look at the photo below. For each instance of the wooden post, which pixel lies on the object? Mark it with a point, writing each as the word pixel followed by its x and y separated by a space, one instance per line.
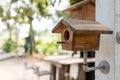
pixel 81 73
pixel 117 46
pixel 53 70
pixel 64 72
pixel 105 15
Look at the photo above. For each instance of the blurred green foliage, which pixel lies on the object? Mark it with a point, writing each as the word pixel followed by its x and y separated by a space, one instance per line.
pixel 9 45
pixel 74 1
pixel 65 15
pixel 25 13
pixel 46 43
pixel 42 7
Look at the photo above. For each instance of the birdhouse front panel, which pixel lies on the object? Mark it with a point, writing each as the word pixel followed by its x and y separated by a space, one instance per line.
pixel 67 39
pixel 86 42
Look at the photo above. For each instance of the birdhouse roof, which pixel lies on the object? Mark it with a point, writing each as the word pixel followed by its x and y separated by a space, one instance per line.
pixel 81 26
pixel 82 3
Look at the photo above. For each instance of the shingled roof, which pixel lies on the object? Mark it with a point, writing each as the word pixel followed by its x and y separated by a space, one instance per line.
pixel 79 5
pixel 81 26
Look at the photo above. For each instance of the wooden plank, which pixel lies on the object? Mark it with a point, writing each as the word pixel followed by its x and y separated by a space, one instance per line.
pixel 66 60
pixel 76 14
pixel 88 12
pixel 61 74
pixel 64 72
pixel 90 75
pixel 85 12
pixel 81 73
pixel 53 70
pixel 82 26
pixel 58 29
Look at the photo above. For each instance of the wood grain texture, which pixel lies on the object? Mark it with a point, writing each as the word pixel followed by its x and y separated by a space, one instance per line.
pixel 81 26
pixel 78 5
pixel 66 60
pixel 88 12
pixel 86 42
pixel 117 46
pixel 80 35
pixel 69 43
pixel 105 15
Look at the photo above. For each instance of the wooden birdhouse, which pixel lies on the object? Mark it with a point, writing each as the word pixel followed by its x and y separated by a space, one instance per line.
pixel 80 35
pixel 84 10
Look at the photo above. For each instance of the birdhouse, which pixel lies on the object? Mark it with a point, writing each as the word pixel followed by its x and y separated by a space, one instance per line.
pixel 80 35
pixel 84 10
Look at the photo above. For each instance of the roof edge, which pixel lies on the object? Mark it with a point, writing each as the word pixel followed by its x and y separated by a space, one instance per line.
pixel 66 23
pixel 78 5
pixel 58 23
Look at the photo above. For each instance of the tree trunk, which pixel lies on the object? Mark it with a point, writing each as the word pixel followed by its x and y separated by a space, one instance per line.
pixel 10 31
pixel 31 38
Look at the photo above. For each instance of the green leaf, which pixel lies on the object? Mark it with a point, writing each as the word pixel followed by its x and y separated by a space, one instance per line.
pixel 13 1
pixel 74 1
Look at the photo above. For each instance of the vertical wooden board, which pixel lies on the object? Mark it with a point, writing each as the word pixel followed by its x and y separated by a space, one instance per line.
pixel 105 15
pixel 76 14
pixel 88 12
pixel 61 75
pixel 90 75
pixel 117 46
pixel 81 73
pixel 53 70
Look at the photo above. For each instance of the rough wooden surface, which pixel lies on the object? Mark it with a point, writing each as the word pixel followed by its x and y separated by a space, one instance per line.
pixel 66 60
pixel 63 64
pixel 117 46
pixel 69 41
pixel 78 5
pixel 80 35
pixel 53 69
pixel 105 15
pixel 86 42
pixel 80 26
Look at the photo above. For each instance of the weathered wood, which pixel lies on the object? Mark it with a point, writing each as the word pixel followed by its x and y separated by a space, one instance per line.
pixel 88 12
pixel 80 35
pixel 78 5
pixel 61 74
pixel 86 42
pixel 90 75
pixel 53 70
pixel 85 12
pixel 63 63
pixel 66 60
pixel 76 14
pixel 64 72
pixel 81 73
pixel 80 26
pixel 67 38
pixel 109 49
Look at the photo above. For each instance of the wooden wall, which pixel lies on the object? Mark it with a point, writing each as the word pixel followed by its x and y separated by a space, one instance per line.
pixel 117 46
pixel 105 15
pixel 85 12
